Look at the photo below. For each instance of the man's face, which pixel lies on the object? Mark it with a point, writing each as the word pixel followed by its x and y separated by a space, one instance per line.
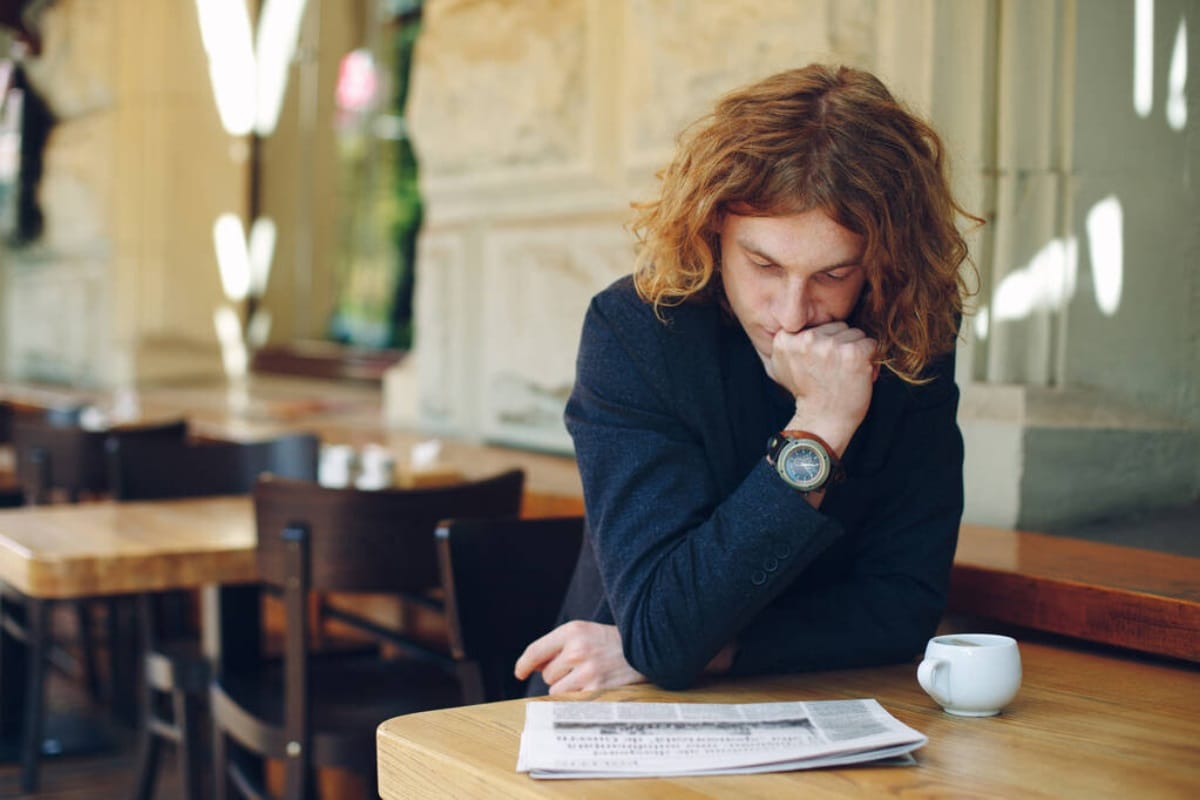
pixel 789 273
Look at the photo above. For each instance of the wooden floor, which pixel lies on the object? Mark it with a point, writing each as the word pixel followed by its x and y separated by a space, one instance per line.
pixel 110 774
pixel 103 775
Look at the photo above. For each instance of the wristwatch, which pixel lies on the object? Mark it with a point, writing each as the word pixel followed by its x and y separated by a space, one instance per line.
pixel 803 460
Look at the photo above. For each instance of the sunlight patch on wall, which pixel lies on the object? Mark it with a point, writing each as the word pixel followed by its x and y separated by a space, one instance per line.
pixel 1047 281
pixel 1143 57
pixel 1106 241
pixel 1177 80
pixel 225 30
pixel 233 258
pixel 249 76
pixel 245 265
pixel 278 33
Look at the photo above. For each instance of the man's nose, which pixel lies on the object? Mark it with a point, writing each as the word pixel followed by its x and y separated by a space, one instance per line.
pixel 793 309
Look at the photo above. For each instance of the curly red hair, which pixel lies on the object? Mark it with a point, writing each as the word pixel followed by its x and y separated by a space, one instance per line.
pixel 832 138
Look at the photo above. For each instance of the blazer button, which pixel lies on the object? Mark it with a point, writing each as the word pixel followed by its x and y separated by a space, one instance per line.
pixel 782 550
pixel 758 578
pixel 771 564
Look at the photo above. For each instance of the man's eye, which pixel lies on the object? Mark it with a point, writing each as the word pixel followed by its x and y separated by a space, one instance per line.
pixel 761 264
pixel 836 276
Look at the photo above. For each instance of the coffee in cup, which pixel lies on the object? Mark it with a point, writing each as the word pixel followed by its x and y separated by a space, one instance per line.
pixel 971 674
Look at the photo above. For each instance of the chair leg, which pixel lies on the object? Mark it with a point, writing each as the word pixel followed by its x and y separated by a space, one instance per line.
pixel 220 771
pixel 149 749
pixel 149 741
pixel 14 667
pixel 299 779
pixel 188 716
pixel 38 618
pixel 87 650
pixel 125 654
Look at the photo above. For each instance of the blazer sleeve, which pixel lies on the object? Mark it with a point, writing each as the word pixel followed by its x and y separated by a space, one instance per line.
pixel 890 601
pixel 685 566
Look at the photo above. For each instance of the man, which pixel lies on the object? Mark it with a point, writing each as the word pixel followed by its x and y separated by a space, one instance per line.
pixel 764 413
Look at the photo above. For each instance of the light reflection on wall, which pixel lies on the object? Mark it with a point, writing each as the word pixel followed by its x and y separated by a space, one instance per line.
pixel 1143 57
pixel 249 77
pixel 1106 246
pixel 1177 80
pixel 278 32
pixel 225 30
pixel 1047 281
pixel 249 74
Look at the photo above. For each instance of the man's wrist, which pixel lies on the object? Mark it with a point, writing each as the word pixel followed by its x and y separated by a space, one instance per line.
pixel 835 435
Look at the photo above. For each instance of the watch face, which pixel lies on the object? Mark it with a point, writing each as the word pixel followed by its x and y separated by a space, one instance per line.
pixel 804 465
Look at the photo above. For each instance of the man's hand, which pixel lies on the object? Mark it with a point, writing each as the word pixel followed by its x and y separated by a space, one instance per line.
pixel 829 369
pixel 578 655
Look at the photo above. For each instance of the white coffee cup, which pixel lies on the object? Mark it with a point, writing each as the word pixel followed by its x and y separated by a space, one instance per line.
pixel 971 674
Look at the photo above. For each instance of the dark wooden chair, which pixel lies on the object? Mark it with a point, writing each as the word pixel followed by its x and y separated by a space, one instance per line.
pixel 321 709
pixel 175 675
pixel 11 494
pixel 56 459
pixel 494 611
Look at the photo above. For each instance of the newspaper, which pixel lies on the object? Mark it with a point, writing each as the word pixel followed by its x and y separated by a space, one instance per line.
pixel 613 740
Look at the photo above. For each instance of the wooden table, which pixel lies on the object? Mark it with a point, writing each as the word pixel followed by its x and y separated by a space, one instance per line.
pixel 51 553
pixel 1086 724
pixel 109 548
pixel 1141 599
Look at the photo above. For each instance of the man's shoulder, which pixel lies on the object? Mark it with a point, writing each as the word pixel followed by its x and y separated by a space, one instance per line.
pixel 620 303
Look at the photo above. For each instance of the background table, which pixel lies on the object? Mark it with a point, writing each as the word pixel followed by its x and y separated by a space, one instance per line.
pixel 110 548
pixel 50 553
pixel 1087 723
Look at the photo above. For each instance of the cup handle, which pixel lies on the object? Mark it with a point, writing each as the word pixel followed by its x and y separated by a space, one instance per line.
pixel 927 676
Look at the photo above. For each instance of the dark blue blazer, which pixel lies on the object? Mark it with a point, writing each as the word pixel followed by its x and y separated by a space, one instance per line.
pixel 692 539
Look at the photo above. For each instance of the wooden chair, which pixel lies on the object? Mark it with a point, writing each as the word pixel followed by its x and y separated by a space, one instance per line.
pixel 149 470
pixel 493 613
pixel 53 460
pixel 62 458
pixel 11 495
pixel 321 710
pixel 175 675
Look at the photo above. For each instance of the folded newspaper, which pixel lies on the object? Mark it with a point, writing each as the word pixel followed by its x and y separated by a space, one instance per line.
pixel 625 740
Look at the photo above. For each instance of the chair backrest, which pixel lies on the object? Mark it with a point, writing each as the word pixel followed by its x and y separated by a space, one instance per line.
pixel 504 582
pixel 50 456
pixel 370 541
pixel 7 413
pixel 146 469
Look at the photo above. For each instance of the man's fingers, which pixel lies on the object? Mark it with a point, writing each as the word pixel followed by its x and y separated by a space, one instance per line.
pixel 537 653
pixel 848 335
pixel 830 328
pixel 556 670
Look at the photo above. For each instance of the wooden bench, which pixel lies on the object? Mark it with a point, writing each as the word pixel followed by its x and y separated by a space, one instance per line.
pixel 1140 599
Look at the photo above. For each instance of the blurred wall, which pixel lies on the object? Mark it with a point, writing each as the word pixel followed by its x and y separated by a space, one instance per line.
pixel 121 288
pixel 136 170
